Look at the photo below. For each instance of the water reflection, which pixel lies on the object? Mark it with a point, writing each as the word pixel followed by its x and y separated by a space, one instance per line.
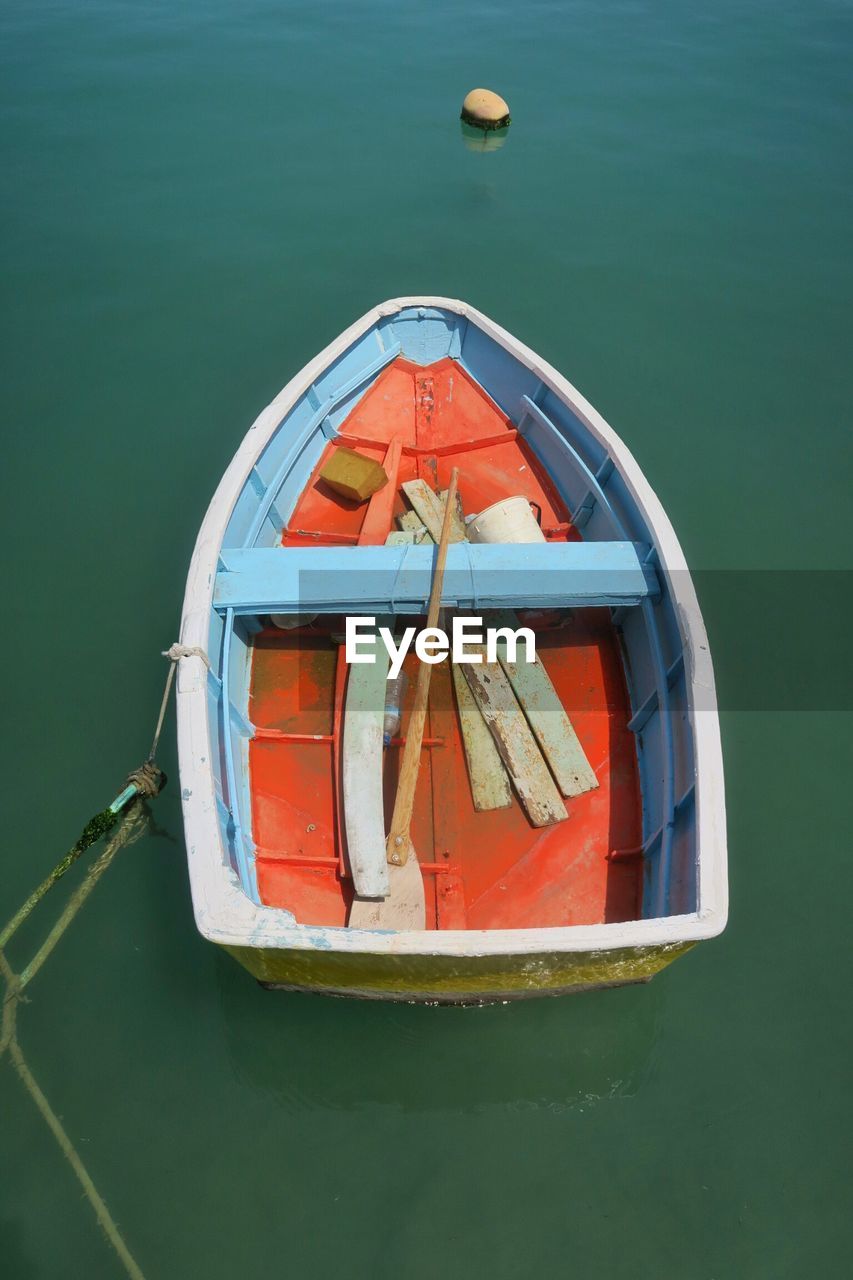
pixel 12 1243
pixel 313 1052
pixel 483 139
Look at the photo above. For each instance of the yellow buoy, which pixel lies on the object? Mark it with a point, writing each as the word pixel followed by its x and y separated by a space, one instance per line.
pixel 485 110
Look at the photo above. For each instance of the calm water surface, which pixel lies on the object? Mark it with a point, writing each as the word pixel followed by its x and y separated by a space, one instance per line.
pixel 197 198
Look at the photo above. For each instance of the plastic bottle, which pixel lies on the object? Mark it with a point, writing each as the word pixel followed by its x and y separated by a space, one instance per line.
pixel 394 694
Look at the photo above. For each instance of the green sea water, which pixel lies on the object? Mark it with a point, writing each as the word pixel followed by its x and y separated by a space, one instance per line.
pixel 197 198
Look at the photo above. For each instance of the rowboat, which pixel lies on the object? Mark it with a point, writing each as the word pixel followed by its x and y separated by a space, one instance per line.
pixel 287 790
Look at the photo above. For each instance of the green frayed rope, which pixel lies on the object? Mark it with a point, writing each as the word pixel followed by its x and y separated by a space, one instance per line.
pixel 100 825
pixel 93 830
pixel 148 782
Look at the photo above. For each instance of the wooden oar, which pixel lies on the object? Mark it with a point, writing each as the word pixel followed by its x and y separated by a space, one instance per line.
pixel 404 906
pixel 399 842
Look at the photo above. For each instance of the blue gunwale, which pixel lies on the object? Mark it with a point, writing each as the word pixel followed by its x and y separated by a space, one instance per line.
pixel 243 849
pixel 314 424
pixel 595 496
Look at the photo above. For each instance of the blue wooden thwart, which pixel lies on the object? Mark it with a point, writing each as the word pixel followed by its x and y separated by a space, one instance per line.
pixel 395 579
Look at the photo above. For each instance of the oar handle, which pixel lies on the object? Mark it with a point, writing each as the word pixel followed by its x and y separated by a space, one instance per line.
pixel 399 842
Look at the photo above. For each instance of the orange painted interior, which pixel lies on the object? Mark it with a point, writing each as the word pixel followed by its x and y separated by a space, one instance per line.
pixel 481 870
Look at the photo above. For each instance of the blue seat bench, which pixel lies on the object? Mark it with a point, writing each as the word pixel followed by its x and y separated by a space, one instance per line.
pixel 396 579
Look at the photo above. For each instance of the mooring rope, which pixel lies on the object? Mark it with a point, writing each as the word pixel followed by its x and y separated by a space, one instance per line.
pixel 147 781
pixel 174 653
pixel 142 784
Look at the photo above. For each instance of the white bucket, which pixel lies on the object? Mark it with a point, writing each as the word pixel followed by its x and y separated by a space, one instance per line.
pixel 509 520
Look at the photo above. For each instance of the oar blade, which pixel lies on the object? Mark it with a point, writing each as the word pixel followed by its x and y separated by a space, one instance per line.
pixel 405 906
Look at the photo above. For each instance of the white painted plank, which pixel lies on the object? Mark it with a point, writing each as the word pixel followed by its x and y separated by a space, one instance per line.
pixel 546 715
pixel 515 741
pixel 364 814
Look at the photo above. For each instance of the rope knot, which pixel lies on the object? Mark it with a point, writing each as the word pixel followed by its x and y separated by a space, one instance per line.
pixel 148 779
pixel 176 651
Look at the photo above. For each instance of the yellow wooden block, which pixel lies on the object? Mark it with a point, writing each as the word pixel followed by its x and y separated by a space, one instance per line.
pixel 352 475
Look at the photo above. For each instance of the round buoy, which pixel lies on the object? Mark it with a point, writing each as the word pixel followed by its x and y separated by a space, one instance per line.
pixel 485 110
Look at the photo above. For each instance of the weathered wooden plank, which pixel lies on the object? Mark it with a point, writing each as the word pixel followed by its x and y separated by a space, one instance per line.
pixel 490 786
pixel 515 741
pixel 364 813
pixel 425 506
pixel 410 522
pixel 430 510
pixel 458 531
pixel 546 715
